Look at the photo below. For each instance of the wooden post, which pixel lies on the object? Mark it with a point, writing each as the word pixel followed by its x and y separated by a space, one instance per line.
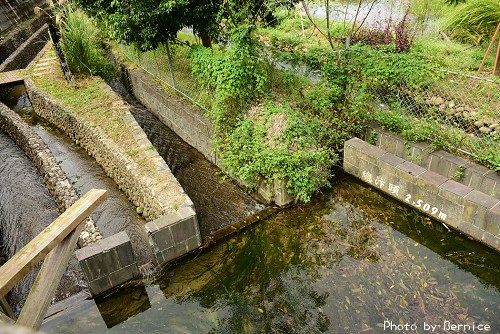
pixel 7 309
pixel 27 258
pixel 488 51
pixel 47 280
pixel 496 67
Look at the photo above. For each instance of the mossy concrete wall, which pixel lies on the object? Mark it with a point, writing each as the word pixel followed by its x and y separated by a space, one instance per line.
pixel 459 206
pixel 191 124
pixel 443 163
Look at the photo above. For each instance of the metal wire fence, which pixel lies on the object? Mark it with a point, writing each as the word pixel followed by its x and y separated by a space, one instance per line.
pixel 462 103
pixel 171 65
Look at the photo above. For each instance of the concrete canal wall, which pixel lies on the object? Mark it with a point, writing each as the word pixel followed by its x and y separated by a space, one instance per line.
pixel 13 12
pixel 190 123
pixel 457 205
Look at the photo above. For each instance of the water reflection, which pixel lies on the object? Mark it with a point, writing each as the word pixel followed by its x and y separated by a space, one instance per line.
pixel 341 264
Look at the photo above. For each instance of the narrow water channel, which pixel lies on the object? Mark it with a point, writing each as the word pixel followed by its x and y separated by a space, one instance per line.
pixel 347 262
pixel 26 208
pixel 116 213
pixel 219 202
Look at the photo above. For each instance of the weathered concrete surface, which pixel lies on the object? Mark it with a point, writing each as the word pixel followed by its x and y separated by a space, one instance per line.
pixel 108 263
pixel 174 235
pixel 452 167
pixel 459 206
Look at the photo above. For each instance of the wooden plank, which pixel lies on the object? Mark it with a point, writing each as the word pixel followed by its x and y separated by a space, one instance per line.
pixel 5 319
pixel 27 258
pixel 47 281
pixel 7 309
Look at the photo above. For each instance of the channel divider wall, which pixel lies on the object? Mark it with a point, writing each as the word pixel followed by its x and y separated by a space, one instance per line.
pixel 111 262
pixel 456 205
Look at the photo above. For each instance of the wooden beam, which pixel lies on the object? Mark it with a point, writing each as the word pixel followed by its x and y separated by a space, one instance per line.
pixel 496 67
pixel 7 309
pixel 47 281
pixel 489 49
pixel 28 257
pixel 5 319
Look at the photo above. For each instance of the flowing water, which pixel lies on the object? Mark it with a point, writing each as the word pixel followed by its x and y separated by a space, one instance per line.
pixel 26 208
pixel 218 202
pixel 347 262
pixel 116 213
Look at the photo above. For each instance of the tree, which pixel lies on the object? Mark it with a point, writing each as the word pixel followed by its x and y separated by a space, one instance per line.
pixel 147 23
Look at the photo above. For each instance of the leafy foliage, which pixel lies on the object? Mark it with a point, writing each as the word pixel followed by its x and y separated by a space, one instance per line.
pixel 148 23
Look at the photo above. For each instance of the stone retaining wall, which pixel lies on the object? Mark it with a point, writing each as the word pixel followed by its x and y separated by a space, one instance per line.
pixel 459 206
pixel 119 167
pixel 54 178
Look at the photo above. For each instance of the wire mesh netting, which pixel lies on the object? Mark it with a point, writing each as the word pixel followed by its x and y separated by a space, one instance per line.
pixel 175 73
pixel 465 104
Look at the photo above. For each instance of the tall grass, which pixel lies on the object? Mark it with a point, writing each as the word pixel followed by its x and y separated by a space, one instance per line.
pixel 81 44
pixel 474 22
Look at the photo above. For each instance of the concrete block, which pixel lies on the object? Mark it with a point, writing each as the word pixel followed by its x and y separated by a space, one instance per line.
pixel 454 191
pixel 388 143
pixel 162 239
pixel 496 190
pixel 474 214
pixel 408 169
pixel 402 150
pixel 391 159
pixel 100 260
pixel 491 240
pixel 489 182
pixel 99 285
pixel 431 181
pixel 351 169
pixel 184 230
pixel 481 199
pixel 281 195
pixel 193 243
pixel 124 274
pixel 492 220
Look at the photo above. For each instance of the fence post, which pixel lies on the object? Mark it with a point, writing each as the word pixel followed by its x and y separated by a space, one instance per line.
pixel 170 65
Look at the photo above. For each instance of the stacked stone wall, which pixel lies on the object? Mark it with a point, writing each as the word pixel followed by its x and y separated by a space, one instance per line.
pixel 119 167
pixel 54 178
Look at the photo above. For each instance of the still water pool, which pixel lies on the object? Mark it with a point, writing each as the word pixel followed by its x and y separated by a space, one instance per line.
pixel 347 262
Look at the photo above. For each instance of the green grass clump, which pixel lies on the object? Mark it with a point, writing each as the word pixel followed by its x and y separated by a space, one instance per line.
pixel 474 22
pixel 82 46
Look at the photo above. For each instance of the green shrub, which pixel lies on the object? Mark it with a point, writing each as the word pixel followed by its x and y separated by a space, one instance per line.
pixel 475 21
pixel 280 143
pixel 81 44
